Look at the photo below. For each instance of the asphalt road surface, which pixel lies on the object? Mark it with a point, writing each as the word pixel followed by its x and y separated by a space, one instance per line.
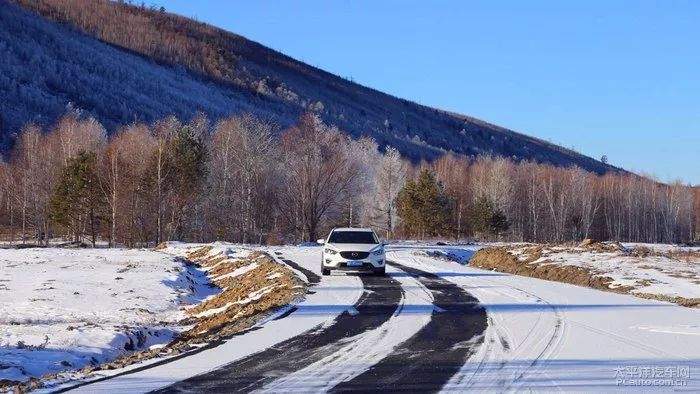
pixel 424 362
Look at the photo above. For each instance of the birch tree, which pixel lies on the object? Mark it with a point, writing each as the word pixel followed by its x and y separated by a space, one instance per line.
pixel 319 175
pixel 390 179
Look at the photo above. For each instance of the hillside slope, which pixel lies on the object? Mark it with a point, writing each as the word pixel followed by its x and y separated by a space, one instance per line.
pixel 45 66
pixel 124 63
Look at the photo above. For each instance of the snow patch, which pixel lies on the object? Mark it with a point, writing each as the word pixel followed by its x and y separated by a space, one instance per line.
pixel 237 272
pixel 63 309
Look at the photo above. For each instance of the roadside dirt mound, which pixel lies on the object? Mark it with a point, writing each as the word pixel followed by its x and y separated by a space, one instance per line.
pixel 263 285
pixel 679 254
pixel 587 242
pixel 499 259
pixel 598 246
pixel 682 301
pixel 641 251
pixel 535 261
pixel 251 286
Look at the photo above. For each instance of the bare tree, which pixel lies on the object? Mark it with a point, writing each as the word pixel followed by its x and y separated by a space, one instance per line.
pixel 319 174
pixel 33 176
pixel 240 183
pixel 124 168
pixel 390 178
pixel 696 213
pixel 163 131
pixel 586 201
pixel 358 206
pixel 453 172
pixel 242 178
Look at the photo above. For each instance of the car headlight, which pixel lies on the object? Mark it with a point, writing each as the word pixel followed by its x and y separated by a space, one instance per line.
pixel 378 252
pixel 330 251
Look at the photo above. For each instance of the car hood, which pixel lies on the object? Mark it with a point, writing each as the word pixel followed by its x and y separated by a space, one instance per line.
pixel 354 247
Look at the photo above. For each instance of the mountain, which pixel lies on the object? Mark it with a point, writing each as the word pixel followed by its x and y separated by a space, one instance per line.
pixel 123 63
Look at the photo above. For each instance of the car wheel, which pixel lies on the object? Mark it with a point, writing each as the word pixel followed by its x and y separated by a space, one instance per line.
pixel 325 271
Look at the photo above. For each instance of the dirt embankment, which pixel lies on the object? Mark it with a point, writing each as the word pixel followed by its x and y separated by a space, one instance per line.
pixel 532 261
pixel 499 259
pixel 251 289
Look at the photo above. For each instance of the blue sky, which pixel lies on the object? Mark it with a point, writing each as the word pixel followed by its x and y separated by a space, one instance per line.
pixel 615 78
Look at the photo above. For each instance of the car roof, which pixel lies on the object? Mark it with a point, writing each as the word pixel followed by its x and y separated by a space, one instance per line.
pixel 360 229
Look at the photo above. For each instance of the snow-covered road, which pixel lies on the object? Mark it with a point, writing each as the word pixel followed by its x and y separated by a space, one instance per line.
pixel 421 328
pixel 549 336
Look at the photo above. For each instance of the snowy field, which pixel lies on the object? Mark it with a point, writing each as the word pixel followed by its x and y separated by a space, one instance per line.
pixel 65 309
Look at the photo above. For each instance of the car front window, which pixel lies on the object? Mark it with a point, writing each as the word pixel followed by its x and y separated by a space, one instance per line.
pixel 353 237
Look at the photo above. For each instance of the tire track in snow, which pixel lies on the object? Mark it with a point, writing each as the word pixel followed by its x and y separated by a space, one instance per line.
pixel 361 352
pixel 377 304
pixel 630 342
pixel 434 354
pixel 552 342
pixel 310 275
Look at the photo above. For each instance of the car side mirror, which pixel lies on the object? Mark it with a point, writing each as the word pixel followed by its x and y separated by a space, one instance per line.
pixel 321 241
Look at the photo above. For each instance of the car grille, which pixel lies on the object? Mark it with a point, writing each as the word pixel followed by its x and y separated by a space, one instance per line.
pixel 354 255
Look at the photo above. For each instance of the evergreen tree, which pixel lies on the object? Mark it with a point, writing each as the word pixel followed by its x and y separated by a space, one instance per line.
pixel 76 200
pixel 185 173
pixel 486 219
pixel 186 163
pixel 423 206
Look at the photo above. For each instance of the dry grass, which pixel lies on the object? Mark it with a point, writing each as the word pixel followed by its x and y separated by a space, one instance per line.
pixel 277 285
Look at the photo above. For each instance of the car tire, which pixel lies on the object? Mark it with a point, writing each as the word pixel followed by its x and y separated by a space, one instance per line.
pixel 380 271
pixel 325 271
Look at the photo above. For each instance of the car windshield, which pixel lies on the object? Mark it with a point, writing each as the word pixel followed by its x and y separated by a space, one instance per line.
pixel 353 237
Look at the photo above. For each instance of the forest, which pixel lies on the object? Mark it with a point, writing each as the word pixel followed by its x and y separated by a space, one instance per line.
pixel 243 179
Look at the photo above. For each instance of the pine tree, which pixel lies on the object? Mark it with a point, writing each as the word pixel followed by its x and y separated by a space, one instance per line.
pixel 186 162
pixel 185 173
pixel 423 205
pixel 486 219
pixel 76 200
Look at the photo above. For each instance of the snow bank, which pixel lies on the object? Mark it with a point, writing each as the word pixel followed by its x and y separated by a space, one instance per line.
pixel 461 256
pixel 652 271
pixel 64 309
pixel 651 274
pixel 183 249
pixel 252 285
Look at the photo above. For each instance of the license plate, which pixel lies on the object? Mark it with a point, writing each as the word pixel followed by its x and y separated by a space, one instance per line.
pixel 354 263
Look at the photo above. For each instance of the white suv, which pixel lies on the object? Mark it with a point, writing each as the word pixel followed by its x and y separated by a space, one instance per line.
pixel 352 249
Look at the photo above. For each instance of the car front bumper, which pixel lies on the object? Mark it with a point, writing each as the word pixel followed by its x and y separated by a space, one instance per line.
pixel 337 262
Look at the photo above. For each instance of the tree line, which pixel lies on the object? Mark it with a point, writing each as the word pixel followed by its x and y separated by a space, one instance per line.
pixel 242 179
